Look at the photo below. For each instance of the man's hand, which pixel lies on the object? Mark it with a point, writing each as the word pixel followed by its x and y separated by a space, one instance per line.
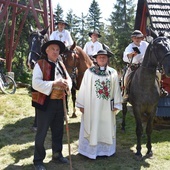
pixel 62 83
pixel 133 54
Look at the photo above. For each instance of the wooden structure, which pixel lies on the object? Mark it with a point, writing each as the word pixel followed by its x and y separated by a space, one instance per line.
pixel 156 15
pixel 38 8
pixel 153 13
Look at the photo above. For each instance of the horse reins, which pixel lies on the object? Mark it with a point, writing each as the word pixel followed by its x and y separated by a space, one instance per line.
pixel 39 55
pixel 36 53
pixel 74 67
pixel 160 62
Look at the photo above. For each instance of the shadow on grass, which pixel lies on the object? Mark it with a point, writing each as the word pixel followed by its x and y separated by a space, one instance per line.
pixel 80 162
pixel 17 133
pixel 128 138
pixel 20 133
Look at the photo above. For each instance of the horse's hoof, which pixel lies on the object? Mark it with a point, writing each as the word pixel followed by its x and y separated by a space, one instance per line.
pixel 73 115
pixel 149 154
pixel 138 157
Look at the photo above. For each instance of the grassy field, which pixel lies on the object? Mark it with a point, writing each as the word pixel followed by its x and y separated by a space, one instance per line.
pixel 17 141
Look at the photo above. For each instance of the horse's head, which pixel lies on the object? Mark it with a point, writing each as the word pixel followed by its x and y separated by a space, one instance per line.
pixel 70 59
pixel 76 62
pixel 36 40
pixel 157 54
pixel 161 50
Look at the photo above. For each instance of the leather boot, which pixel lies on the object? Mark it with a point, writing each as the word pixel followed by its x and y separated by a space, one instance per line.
pixel 58 157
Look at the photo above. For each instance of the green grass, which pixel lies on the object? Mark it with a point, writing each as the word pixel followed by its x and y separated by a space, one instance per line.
pixel 17 141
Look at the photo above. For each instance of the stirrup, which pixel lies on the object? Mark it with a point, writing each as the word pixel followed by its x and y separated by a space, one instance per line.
pixel 163 93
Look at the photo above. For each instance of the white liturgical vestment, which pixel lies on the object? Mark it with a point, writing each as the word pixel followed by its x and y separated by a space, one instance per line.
pixel 98 125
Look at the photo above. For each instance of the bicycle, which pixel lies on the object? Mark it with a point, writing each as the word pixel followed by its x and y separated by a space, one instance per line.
pixel 7 83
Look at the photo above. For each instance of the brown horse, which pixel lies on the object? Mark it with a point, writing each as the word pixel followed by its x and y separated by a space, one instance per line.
pixel 76 62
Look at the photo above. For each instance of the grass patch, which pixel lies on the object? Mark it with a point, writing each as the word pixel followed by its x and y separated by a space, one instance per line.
pixel 17 141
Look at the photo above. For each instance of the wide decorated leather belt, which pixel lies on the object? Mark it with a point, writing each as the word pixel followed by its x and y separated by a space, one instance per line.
pixel 57 93
pixel 134 67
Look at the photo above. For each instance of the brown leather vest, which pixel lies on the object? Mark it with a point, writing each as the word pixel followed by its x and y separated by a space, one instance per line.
pixel 40 100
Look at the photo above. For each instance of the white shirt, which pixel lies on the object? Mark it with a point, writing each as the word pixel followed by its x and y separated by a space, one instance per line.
pixel 45 86
pixel 139 57
pixel 91 48
pixel 63 36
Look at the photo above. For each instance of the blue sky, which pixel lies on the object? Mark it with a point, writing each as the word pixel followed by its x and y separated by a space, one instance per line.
pixel 82 6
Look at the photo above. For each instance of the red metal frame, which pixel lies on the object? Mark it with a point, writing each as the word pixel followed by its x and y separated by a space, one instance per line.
pixel 46 12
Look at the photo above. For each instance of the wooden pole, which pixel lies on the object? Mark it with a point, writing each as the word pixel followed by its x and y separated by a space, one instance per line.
pixel 67 130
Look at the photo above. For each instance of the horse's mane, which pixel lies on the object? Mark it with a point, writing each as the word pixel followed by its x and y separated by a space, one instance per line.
pixel 83 56
pixel 41 37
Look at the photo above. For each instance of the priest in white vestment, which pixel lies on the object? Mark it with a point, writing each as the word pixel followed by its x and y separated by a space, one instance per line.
pixel 99 86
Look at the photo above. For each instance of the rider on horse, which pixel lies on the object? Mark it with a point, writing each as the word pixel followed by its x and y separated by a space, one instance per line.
pixel 133 56
pixel 93 46
pixel 62 34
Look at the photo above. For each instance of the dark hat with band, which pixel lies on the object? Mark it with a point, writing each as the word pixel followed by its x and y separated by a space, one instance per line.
pixel 94 32
pixel 61 21
pixel 102 52
pixel 59 43
pixel 137 33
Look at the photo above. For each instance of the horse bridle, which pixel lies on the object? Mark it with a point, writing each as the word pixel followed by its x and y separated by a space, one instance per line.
pixel 38 54
pixel 159 67
pixel 74 67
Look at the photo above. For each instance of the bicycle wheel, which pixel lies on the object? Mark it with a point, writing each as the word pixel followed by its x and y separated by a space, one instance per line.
pixel 8 85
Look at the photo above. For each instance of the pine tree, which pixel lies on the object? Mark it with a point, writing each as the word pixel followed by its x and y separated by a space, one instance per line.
pixel 82 34
pixel 73 22
pixel 94 16
pixel 58 11
pixel 122 25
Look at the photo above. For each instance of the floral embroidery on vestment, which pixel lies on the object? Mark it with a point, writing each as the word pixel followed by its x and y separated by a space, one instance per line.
pixel 103 89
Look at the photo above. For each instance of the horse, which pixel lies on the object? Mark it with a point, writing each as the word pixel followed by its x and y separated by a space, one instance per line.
pixel 75 59
pixel 36 39
pixel 144 91
pixel 76 62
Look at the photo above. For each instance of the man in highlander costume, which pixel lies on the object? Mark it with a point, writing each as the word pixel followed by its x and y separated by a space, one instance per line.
pixel 50 82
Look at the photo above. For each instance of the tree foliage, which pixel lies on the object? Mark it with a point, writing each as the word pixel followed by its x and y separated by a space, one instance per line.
pixel 115 32
pixel 58 11
pixel 94 16
pixel 121 26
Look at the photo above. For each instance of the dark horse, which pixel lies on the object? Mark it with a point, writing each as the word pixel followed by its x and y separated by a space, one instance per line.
pixel 144 89
pixel 74 58
pixel 36 39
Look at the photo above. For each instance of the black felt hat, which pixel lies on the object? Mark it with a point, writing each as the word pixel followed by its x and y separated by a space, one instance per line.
pixel 59 43
pixel 61 21
pixel 94 32
pixel 137 33
pixel 102 52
